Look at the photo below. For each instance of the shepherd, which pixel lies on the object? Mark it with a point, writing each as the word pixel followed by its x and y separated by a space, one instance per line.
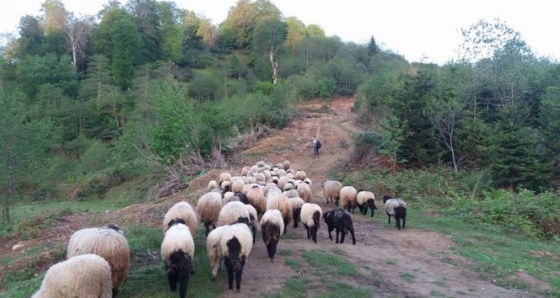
pixel 316 146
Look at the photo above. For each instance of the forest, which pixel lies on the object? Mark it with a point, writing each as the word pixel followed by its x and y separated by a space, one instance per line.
pixel 146 88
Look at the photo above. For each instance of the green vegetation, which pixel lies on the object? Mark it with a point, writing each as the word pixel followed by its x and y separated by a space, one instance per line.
pixel 483 230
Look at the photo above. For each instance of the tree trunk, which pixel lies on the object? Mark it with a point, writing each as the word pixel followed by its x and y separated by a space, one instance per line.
pixel 274 65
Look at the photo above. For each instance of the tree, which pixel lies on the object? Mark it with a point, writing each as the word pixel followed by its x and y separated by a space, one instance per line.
pixel 126 42
pixel 148 21
pixel 482 39
pixel 78 31
pixel 268 37
pixel 445 113
pixel 31 37
pixel 240 22
pixel 24 144
pixel 372 47
pixel 295 32
pixel 55 15
pixel 171 31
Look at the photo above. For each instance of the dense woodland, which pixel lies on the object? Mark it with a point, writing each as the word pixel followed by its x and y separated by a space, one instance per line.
pixel 148 87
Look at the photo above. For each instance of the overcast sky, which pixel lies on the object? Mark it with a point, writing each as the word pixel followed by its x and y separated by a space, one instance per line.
pixel 412 28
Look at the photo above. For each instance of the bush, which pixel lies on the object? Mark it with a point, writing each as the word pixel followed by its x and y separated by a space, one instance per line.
pixel 535 215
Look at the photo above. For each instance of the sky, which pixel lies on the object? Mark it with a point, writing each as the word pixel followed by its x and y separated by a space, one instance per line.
pixel 427 30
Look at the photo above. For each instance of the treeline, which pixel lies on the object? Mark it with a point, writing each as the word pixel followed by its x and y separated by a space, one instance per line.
pixel 494 110
pixel 91 101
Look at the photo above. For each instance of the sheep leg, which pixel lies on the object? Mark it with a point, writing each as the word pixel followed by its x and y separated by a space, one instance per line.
pixel 371 212
pixel 229 267
pixel 238 274
pixel 307 230
pixel 389 216
pixel 172 278
pixel 337 232
pixel 330 230
pixel 314 233
pixel 343 232
pixel 254 234
pixel 398 223
pixel 403 222
pixel 207 227
pixel 286 228
pixel 353 236
pixel 183 283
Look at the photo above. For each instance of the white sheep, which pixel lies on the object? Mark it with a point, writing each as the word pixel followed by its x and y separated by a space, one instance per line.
pixel 257 199
pixel 184 211
pixel 208 208
pixel 86 275
pixel 308 181
pixel 397 209
pixel 213 184
pixel 272 226
pixel 366 199
pixel 224 176
pixel 283 204
pixel 331 190
pixel 107 242
pixel 300 175
pixel 286 165
pixel 311 218
pixel 245 170
pixel 282 181
pixel 237 185
pixel 214 249
pixel 304 192
pixel 236 244
pixel 292 193
pixel 177 253
pixel 348 198
pixel 232 212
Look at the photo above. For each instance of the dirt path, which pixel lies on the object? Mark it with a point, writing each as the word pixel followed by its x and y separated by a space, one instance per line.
pixel 407 263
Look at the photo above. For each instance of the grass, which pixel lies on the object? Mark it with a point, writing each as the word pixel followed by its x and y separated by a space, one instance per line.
pixel 408 277
pixel 322 266
pixel 331 263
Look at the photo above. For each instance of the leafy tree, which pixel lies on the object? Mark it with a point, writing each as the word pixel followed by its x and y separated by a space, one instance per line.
pixel 78 32
pixel 207 31
pixel 176 127
pixel 444 114
pixel 240 23
pixel 171 31
pixel 268 37
pixel 30 42
pixel 408 105
pixel 126 42
pixel 34 71
pixel 314 31
pixel 482 39
pixel 372 47
pixel 295 31
pixel 24 144
pixel 148 20
pixel 516 156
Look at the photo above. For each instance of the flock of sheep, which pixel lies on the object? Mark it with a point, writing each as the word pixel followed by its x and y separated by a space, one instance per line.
pixel 97 258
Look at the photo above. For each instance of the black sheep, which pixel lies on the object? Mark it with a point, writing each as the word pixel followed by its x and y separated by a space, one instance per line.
pixel 340 220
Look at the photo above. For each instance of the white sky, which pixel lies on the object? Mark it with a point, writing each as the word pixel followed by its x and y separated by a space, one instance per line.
pixel 412 28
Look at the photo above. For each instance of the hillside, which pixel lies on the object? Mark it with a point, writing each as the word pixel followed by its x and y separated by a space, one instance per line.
pixel 383 255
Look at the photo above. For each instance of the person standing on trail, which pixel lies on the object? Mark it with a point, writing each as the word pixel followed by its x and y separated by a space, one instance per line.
pixel 316 146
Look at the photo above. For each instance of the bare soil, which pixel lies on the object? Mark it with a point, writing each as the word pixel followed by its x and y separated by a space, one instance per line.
pixel 406 263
